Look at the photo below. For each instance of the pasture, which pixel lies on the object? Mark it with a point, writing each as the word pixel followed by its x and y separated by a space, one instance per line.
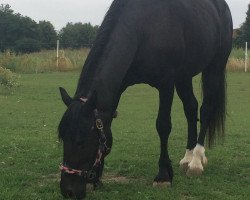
pixel 30 151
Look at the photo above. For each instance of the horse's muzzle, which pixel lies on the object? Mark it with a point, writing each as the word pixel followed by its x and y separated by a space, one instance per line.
pixel 71 193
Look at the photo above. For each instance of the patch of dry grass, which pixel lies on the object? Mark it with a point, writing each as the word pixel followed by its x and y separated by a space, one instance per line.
pixel 237 64
pixel 45 61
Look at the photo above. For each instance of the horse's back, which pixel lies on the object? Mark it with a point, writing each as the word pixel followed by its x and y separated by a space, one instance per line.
pixel 178 35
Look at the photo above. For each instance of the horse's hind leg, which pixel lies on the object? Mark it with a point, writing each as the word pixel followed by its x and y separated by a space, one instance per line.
pixel 163 125
pixel 184 90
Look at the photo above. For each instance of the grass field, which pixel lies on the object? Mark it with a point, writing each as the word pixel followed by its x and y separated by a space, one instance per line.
pixel 30 152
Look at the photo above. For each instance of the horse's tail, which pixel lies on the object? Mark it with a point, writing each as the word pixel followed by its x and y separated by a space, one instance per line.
pixel 214 80
pixel 214 97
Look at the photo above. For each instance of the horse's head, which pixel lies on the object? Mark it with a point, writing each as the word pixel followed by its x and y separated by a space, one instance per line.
pixel 84 145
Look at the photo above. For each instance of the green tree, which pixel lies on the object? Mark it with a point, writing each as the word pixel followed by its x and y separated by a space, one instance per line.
pixel 88 34
pixel 48 35
pixel 246 26
pixel 6 16
pixel 16 29
pixel 5 8
pixel 78 35
pixel 243 34
pixel 69 35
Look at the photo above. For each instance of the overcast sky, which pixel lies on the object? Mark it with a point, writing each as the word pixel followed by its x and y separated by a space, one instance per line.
pixel 59 12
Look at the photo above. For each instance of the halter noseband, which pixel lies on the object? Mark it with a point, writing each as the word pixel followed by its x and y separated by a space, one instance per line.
pixel 103 149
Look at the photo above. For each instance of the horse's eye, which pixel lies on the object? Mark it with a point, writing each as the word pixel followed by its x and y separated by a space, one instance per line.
pixel 92 128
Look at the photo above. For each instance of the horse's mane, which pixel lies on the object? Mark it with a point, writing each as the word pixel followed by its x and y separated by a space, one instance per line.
pixel 104 32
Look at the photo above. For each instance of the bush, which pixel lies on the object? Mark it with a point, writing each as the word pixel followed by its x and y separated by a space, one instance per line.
pixel 8 78
pixel 8 60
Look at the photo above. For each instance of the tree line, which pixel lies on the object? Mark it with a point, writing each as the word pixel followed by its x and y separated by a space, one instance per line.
pixel 242 35
pixel 21 34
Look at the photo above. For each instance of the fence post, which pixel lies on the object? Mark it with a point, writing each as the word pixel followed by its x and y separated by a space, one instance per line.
pixel 246 58
pixel 57 53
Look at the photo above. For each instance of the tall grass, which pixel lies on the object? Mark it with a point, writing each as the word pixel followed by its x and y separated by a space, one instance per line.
pixel 236 64
pixel 71 60
pixel 236 61
pixel 44 61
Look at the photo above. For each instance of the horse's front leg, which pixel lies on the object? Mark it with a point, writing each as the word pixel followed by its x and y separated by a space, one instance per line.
pixel 163 125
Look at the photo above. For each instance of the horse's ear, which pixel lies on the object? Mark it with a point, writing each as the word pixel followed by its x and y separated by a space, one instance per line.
pixel 65 97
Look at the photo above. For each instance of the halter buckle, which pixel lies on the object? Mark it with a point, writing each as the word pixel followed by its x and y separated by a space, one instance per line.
pixel 91 175
pixel 99 124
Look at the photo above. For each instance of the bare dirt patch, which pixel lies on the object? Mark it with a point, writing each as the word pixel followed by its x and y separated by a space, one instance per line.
pixel 112 178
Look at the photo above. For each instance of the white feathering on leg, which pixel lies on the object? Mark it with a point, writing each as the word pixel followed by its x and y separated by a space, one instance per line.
pixel 195 167
pixel 186 160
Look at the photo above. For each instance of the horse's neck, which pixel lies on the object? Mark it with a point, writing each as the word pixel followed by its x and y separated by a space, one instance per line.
pixel 116 62
pixel 87 77
pixel 107 77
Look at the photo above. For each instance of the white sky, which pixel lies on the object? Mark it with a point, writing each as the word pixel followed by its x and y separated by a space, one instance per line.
pixel 59 12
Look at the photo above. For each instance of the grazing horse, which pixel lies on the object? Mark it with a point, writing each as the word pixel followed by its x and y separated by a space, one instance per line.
pixel 163 43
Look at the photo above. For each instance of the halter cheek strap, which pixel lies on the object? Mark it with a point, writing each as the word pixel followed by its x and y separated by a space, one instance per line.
pixel 103 148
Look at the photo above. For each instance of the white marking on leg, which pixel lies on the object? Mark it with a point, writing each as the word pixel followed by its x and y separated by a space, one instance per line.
pixel 186 160
pixel 195 167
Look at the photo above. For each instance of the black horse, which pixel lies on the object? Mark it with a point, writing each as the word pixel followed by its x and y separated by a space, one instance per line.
pixel 163 43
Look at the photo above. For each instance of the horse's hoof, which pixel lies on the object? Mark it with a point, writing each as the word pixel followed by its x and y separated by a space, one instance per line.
pixel 194 171
pixel 184 167
pixel 161 184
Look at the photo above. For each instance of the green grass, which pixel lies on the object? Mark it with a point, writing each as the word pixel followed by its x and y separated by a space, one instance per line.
pixel 30 151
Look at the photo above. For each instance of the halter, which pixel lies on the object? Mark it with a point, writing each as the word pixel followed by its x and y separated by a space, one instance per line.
pixel 91 175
